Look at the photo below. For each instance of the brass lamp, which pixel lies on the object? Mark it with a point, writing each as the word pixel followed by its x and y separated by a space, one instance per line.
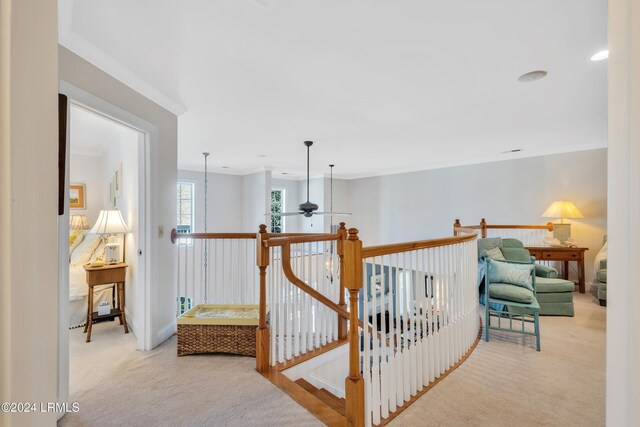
pixel 562 209
pixel 109 224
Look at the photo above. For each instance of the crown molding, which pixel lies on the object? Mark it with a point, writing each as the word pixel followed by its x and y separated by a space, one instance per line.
pixel 86 50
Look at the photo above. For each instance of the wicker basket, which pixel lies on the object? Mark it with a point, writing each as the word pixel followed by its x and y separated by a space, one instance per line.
pixel 219 334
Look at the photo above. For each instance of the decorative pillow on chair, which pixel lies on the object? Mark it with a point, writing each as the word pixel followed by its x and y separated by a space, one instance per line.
pixel 512 274
pixel 495 254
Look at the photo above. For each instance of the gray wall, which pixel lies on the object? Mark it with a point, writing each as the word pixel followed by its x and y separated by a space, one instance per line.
pixel 423 205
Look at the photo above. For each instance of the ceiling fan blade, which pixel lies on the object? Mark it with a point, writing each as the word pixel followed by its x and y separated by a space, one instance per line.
pixel 283 214
pixel 333 213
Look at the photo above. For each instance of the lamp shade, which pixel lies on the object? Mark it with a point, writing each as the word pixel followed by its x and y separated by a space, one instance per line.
pixel 78 222
pixel 109 222
pixel 562 209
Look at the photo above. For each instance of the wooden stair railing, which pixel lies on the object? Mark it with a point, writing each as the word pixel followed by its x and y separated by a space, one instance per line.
pixel 349 249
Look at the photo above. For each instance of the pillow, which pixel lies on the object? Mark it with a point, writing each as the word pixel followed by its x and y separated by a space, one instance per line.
pixel 516 254
pixel 494 253
pixel 82 254
pixel 75 238
pixel 512 274
pixel 488 243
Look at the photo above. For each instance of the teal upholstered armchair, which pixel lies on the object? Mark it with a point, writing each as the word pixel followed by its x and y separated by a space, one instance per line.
pixel 510 296
pixel 554 294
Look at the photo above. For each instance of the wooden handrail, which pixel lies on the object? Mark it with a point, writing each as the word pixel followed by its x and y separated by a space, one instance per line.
pixel 175 236
pixel 484 227
pixel 290 275
pixel 303 238
pixel 373 251
pixel 547 226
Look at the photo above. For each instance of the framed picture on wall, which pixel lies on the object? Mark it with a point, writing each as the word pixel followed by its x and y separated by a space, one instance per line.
pixel 77 196
pixel 117 181
pixel 112 194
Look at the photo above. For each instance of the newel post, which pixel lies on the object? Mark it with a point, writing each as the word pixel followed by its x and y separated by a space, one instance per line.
pixel 262 333
pixel 456 224
pixel 342 322
pixel 483 226
pixel 354 383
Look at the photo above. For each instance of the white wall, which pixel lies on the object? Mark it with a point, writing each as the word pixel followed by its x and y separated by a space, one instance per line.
pixel 423 205
pixel 225 198
pixel 341 202
pixel 87 170
pixel 124 151
pixel 162 172
pixel 28 208
pixel 623 292
pixel 256 200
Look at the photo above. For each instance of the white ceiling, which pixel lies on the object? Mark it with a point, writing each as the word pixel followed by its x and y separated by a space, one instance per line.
pixel 90 134
pixel 380 86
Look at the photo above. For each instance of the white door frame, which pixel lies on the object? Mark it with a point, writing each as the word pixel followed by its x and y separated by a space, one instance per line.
pixel 145 294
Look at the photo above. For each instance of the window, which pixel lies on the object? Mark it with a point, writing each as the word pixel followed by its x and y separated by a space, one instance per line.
pixel 185 207
pixel 277 206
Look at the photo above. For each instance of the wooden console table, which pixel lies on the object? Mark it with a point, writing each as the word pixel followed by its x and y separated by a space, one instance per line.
pixel 107 274
pixel 563 254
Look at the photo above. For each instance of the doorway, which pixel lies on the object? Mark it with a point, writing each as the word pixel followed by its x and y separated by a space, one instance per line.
pixel 107 157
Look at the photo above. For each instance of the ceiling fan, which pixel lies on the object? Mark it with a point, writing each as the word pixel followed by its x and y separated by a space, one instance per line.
pixel 308 208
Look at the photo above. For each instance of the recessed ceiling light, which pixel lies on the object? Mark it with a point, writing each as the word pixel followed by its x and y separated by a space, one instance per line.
pixel 532 76
pixel 262 155
pixel 225 167
pixel 603 54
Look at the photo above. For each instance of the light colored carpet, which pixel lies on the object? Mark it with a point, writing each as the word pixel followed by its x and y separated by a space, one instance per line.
pixel 504 381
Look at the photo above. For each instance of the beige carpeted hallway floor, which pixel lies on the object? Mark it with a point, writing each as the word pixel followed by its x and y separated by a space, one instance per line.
pixel 503 382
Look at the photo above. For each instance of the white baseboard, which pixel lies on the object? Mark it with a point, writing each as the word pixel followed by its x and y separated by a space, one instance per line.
pixel 131 322
pixel 165 333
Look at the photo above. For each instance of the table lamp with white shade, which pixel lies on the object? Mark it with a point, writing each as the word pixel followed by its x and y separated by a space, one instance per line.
pixel 562 209
pixel 110 223
pixel 78 222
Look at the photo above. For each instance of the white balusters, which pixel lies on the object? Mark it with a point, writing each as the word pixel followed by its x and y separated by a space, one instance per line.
pixel 299 322
pixel 433 321
pixel 231 274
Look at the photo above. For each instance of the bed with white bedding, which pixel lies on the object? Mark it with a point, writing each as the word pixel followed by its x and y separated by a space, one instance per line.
pixel 84 248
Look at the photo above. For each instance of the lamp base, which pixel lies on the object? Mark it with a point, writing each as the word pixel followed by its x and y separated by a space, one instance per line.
pixel 562 232
pixel 112 253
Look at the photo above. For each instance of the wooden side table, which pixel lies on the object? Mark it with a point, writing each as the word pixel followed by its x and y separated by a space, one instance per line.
pixel 551 253
pixel 107 274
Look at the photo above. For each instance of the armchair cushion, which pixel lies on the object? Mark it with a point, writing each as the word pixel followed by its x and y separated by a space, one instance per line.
pixel 547 285
pixel 513 274
pixel 516 254
pixel 601 275
pixel 486 244
pixel 507 292
pixel 512 243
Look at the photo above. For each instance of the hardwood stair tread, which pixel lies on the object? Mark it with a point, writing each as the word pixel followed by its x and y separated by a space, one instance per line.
pixel 337 403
